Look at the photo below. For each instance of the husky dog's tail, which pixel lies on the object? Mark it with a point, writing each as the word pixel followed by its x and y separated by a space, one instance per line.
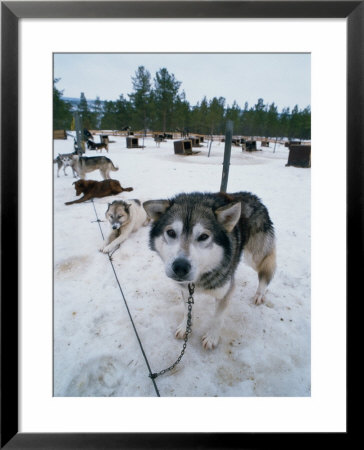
pixel 113 168
pixel 129 189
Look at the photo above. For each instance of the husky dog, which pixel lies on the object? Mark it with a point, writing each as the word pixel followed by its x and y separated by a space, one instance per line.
pixel 84 164
pixel 60 164
pixel 97 146
pixel 62 161
pixel 201 236
pixel 124 218
pixel 67 161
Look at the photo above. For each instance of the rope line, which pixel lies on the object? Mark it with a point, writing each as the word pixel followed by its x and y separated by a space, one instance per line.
pixel 128 310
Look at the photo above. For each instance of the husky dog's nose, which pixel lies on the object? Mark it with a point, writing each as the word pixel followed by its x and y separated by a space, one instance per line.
pixel 181 267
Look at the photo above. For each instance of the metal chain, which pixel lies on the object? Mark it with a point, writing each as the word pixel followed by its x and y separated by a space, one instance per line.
pixel 190 302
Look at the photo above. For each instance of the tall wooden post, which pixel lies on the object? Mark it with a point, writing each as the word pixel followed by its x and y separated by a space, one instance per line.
pixel 227 154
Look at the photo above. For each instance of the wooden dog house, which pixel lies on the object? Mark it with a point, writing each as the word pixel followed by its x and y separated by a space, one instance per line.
pixel 183 147
pixel 201 137
pixel 59 134
pixel 299 156
pixel 288 144
pixel 132 142
pixel 251 146
pixel 195 141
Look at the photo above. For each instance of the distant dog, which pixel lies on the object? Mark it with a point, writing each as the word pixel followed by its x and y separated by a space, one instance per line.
pixel 201 237
pixel 124 217
pixel 61 162
pixel 97 146
pixel 85 164
pixel 158 139
pixel 97 189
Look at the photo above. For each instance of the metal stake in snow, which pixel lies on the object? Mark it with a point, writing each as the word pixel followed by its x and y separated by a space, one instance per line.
pixel 275 145
pixel 210 143
pixel 78 132
pixel 227 153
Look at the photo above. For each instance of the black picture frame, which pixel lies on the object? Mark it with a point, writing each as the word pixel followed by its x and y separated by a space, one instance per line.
pixel 11 12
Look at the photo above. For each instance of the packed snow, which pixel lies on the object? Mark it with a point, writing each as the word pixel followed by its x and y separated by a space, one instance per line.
pixel 263 351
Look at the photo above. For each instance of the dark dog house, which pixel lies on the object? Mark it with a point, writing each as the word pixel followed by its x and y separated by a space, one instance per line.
pixel 251 146
pixel 195 141
pixel 299 156
pixel 132 142
pixel 183 147
pixel 288 144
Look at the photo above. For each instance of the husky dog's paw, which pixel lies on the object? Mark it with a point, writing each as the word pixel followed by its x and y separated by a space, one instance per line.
pixel 210 340
pixel 107 249
pixel 258 298
pixel 181 331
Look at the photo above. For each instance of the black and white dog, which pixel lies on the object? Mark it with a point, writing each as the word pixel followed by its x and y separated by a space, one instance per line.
pixel 201 236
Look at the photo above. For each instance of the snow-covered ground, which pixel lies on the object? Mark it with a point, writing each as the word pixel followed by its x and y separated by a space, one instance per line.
pixel 264 350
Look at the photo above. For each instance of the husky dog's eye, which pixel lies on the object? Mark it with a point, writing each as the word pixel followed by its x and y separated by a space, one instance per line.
pixel 119 217
pixel 203 237
pixel 111 216
pixel 171 233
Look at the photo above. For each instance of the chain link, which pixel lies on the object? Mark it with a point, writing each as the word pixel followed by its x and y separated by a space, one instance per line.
pixel 190 302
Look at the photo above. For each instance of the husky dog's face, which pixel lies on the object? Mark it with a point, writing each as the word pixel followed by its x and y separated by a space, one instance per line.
pixel 190 238
pixel 66 160
pixel 117 214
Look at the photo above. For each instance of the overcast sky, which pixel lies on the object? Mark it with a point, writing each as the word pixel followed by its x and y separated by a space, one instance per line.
pixel 281 78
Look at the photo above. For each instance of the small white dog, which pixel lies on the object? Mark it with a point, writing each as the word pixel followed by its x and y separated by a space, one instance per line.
pixel 125 217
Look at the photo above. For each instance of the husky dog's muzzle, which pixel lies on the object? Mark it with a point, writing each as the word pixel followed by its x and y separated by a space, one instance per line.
pixel 181 270
pixel 115 226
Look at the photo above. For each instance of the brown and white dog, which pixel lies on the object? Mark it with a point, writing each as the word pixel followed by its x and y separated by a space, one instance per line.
pixel 125 217
pixel 97 189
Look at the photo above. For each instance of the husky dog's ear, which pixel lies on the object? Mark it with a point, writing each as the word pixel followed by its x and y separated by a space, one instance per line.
pixel 155 208
pixel 229 215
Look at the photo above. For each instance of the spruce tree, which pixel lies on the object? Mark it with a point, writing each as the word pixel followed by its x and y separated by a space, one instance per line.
pixel 62 110
pixel 165 90
pixel 141 98
pixel 87 117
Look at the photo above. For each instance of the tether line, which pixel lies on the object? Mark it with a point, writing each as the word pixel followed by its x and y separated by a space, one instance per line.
pixel 127 308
